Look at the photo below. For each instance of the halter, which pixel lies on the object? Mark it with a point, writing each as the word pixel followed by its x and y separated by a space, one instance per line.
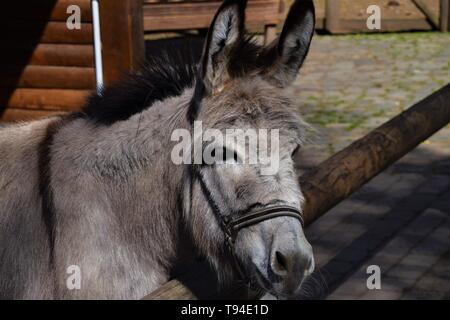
pixel 231 226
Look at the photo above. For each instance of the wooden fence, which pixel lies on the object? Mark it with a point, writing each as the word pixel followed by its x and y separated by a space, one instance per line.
pixel 171 15
pixel 418 15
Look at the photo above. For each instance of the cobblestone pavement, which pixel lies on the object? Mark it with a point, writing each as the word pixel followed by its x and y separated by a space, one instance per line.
pixel 400 220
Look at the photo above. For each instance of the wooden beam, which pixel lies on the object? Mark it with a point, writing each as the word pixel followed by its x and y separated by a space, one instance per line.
pixel 270 34
pixel 195 15
pixel 43 99
pixel 46 10
pixel 391 25
pixel 68 55
pixel 332 16
pixel 122 37
pixel 444 16
pixel 11 114
pixel 424 6
pixel 342 174
pixel 32 32
pixel 47 77
pixel 345 172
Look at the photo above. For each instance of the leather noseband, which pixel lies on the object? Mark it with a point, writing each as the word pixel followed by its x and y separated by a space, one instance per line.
pixel 231 226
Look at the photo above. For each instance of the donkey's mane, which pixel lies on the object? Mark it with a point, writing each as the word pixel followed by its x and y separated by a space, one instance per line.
pixel 163 75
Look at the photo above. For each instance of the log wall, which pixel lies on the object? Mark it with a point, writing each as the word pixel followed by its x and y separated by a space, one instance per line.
pixel 46 68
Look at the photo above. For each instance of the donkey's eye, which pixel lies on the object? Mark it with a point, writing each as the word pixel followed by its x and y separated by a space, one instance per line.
pixel 295 152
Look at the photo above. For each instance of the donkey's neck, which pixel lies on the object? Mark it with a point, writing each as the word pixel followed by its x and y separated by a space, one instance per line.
pixel 155 183
pixel 131 162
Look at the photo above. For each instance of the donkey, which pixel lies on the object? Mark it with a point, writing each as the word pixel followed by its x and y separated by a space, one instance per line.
pixel 97 191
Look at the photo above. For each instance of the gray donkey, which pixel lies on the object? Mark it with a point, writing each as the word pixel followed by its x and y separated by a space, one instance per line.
pixel 97 193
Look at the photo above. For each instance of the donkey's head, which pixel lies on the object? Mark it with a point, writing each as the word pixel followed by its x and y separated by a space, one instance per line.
pixel 240 85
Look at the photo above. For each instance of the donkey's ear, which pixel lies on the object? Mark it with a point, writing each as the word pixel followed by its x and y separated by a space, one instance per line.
pixel 224 34
pixel 285 55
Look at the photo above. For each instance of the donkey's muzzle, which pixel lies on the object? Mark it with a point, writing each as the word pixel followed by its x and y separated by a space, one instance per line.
pixel 289 265
pixel 233 226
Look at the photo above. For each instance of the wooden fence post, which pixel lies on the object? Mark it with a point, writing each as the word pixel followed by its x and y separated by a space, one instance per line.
pixel 332 16
pixel 444 16
pixel 122 37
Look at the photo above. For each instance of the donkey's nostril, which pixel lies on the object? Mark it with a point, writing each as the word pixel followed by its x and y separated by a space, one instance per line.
pixel 291 263
pixel 281 261
pixel 280 264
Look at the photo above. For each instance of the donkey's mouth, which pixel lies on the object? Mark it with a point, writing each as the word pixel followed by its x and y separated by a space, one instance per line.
pixel 263 282
pixel 267 285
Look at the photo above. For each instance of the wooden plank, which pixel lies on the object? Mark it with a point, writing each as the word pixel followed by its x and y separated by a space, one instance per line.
pixel 48 54
pixel 356 26
pixel 122 37
pixel 332 16
pixel 423 5
pixel 172 290
pixel 208 7
pixel 396 16
pixel 57 32
pixel 25 115
pixel 46 10
pixel 43 99
pixel 270 34
pixel 444 18
pixel 31 32
pixel 199 281
pixel 398 9
pixel 179 16
pixel 338 177
pixel 320 24
pixel 47 77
